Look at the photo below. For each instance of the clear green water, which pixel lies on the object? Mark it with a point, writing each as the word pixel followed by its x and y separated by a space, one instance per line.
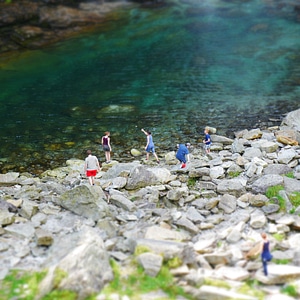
pixel 173 70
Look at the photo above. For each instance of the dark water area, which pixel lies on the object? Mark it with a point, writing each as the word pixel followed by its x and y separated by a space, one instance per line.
pixel 173 70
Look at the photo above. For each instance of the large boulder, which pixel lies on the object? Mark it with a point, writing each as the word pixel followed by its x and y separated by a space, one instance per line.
pixel 85 201
pixel 80 261
pixel 292 120
pixel 141 177
pixel 263 183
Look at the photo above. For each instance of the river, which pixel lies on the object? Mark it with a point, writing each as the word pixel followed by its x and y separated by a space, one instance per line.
pixel 172 69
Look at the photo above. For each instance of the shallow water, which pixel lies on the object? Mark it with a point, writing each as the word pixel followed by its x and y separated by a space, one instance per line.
pixel 172 70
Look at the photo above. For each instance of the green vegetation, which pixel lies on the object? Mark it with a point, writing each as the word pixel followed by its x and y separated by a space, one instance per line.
pixel 19 283
pixel 138 283
pixel 278 237
pixel 282 261
pixel 273 192
pixel 174 263
pixel 141 249
pixel 251 288
pixel 295 199
pixel 217 283
pixel 233 174
pixel 191 182
pixel 290 290
pixel 290 175
pixel 8 1
pixel 24 285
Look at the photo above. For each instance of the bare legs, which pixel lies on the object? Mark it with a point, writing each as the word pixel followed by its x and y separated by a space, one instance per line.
pixel 155 155
pixel 107 156
pixel 92 180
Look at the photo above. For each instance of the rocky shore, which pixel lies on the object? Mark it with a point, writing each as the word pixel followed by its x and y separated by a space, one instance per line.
pixel 30 24
pixel 202 222
pixel 33 24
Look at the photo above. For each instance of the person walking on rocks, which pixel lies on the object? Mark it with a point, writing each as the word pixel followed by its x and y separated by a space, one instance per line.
pixel 150 145
pixel 183 154
pixel 91 167
pixel 265 252
pixel 207 140
pixel 106 145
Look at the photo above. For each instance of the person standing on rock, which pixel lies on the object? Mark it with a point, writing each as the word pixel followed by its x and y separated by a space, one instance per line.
pixel 207 140
pixel 183 154
pixel 265 252
pixel 106 145
pixel 91 167
pixel 150 145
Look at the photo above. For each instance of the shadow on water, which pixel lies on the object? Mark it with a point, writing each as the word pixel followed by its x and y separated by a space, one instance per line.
pixel 173 69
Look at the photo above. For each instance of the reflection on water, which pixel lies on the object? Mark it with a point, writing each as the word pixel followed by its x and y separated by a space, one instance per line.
pixel 173 70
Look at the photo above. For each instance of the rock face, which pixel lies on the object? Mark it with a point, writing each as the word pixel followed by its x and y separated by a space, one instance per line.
pixel 207 217
pixel 33 24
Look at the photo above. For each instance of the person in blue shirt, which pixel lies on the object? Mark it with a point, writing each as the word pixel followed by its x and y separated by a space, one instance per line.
pixel 150 145
pixel 183 154
pixel 207 140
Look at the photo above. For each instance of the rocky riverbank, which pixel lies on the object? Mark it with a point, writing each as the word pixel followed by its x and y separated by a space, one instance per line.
pixel 202 223
pixel 34 24
pixel 30 24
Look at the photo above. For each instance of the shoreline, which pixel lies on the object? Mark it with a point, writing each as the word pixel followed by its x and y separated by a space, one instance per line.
pixel 202 224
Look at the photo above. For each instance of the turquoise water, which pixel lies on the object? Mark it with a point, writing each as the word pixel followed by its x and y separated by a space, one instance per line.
pixel 173 70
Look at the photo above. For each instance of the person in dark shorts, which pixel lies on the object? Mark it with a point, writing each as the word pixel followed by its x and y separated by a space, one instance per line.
pixel 265 252
pixel 106 145
pixel 91 167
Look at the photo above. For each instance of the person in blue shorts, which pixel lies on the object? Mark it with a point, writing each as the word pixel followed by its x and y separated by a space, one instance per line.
pixel 150 145
pixel 183 154
pixel 207 140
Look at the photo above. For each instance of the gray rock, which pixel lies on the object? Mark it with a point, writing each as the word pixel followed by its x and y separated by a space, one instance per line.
pixel 22 230
pixel 277 169
pixel 227 203
pixel 83 260
pixel 291 184
pixel 85 201
pixel 141 177
pixel 9 178
pixel 263 183
pixel 286 155
pixel 151 263
pixel 251 152
pixel 231 186
pixel 43 237
pixel 122 202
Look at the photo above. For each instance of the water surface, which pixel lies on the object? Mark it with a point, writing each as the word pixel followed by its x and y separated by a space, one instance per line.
pixel 172 69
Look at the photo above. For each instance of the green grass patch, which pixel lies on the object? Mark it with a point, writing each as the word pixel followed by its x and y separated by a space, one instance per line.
pixel 137 283
pixel 273 192
pixel 21 285
pixel 234 174
pixel 217 283
pixel 289 290
pixel 295 198
pixel 282 261
pixel 289 175
pixel 251 287
pixel 141 249
pixel 278 236
pixel 25 285
pixel 191 182
pixel 174 262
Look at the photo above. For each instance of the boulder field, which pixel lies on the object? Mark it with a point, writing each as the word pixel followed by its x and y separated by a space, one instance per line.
pixel 208 217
